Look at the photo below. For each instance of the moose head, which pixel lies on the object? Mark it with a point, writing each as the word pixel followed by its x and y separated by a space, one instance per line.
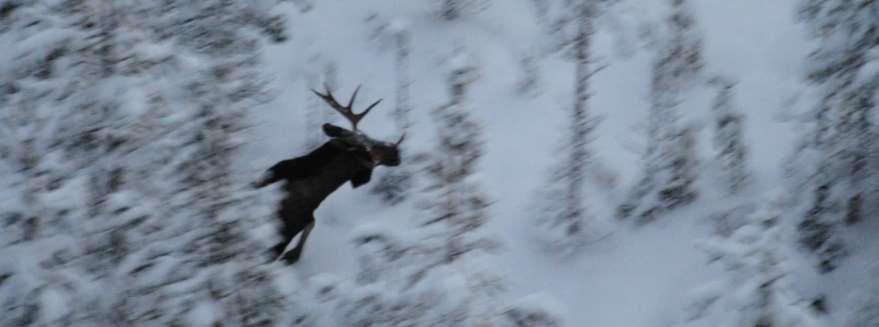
pixel 380 153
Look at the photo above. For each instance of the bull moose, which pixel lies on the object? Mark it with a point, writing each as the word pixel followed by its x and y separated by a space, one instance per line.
pixel 349 155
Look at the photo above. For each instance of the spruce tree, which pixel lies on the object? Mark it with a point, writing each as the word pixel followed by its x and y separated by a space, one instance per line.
pixel 450 10
pixel 393 186
pixel 835 162
pixel 128 118
pixel 732 153
pixel 755 289
pixel 669 160
pixel 564 217
pixel 457 204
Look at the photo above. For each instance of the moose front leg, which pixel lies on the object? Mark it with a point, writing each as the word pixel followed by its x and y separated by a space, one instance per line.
pixel 293 221
pixel 293 256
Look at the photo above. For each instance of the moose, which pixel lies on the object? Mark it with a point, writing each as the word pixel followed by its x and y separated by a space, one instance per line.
pixel 349 155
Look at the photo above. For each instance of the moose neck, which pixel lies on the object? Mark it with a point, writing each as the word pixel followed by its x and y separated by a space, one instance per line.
pixel 349 137
pixel 340 163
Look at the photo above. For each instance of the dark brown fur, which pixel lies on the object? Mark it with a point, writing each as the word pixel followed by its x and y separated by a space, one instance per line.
pixel 312 178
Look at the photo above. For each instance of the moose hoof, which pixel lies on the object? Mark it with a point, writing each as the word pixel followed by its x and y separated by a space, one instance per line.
pixel 275 252
pixel 292 257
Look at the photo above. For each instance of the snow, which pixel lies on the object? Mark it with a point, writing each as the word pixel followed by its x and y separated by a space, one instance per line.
pixel 204 314
pixel 639 276
pixel 398 25
pixel 632 278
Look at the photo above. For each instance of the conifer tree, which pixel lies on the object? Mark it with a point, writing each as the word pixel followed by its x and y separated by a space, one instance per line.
pixel 669 160
pixel 450 10
pixel 732 153
pixel 394 185
pixel 756 289
pixel 454 196
pixel 564 215
pixel 835 162
pixel 131 115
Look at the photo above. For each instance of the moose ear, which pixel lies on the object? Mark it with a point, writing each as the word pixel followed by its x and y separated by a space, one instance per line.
pixel 333 130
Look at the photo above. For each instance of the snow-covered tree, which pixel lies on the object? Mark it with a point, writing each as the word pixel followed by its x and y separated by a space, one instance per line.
pixel 316 113
pixel 533 311
pixel 402 282
pixel 454 9
pixel 394 185
pixel 131 115
pixel 755 290
pixel 402 52
pixel 842 68
pixel 528 83
pixel 669 171
pixel 564 215
pixel 458 206
pixel 38 201
pixel 835 162
pixel 732 153
pixel 679 189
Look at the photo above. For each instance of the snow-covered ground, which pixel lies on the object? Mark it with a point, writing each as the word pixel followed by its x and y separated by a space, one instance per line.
pixel 634 276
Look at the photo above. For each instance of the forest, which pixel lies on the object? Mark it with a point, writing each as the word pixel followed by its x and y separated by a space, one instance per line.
pixel 545 163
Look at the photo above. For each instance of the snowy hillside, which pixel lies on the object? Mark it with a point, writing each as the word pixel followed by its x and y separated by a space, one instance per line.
pixel 509 252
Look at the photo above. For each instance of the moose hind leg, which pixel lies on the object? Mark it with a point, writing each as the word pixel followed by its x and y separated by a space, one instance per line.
pixel 287 231
pixel 278 249
pixel 293 256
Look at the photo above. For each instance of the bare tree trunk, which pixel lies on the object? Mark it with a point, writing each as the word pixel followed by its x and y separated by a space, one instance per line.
pixel 403 108
pixel 580 120
pixel 861 124
pixel 313 136
pixel 315 116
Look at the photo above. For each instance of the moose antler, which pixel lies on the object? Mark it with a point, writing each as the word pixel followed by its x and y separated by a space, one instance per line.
pixel 346 111
pixel 400 141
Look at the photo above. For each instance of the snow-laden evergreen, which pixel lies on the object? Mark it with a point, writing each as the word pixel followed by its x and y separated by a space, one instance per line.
pixel 669 161
pixel 125 120
pixel 755 289
pixel 564 220
pixel 836 160
pixel 395 186
pixel 732 152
